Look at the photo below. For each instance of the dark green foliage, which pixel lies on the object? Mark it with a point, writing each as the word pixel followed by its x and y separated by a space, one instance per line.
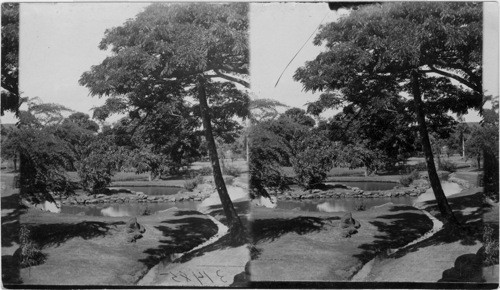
pixel 269 152
pixel 192 183
pixel 99 165
pixel 83 121
pixel 406 180
pixel 10 58
pixel 231 170
pixel 205 170
pixel 264 110
pixel 421 166
pixel 447 166
pixel 385 51
pixel 312 157
pixel 298 116
pixel 44 158
pixel 283 142
pixel 490 244
pixel 30 254
pixel 165 58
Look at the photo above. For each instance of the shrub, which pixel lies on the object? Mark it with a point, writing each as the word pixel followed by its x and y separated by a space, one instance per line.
pixel 191 184
pixel 99 165
pixel 490 246
pixel 414 175
pixel 205 170
pixel 29 250
pixel 421 166
pixel 228 180
pixel 447 166
pixel 406 180
pixel 312 160
pixel 231 170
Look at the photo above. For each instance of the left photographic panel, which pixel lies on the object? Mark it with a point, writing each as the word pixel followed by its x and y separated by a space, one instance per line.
pixel 124 156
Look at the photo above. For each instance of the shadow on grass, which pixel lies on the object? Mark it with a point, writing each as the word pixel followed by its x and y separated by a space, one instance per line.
pixel 10 270
pixel 186 212
pixel 469 210
pixel 11 210
pixel 180 236
pixel 271 229
pixel 10 221
pixel 396 230
pixel 241 207
pixel 57 233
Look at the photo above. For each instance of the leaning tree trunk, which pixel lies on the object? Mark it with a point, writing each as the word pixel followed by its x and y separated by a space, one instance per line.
pixel 441 200
pixel 236 228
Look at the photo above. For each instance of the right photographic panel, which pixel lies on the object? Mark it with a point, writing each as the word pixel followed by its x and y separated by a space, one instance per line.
pixel 373 144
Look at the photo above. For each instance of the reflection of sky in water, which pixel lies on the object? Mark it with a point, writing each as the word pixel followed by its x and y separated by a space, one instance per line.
pixel 114 212
pixel 341 204
pixel 124 209
pixel 50 206
pixel 328 207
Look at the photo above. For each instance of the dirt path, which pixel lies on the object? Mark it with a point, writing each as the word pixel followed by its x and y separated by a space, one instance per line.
pixel 449 255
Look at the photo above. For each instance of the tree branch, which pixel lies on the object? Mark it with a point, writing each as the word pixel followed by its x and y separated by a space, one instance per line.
pixel 455 77
pixel 230 78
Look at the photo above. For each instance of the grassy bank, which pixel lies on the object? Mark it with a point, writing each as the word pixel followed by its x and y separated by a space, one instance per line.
pixel 308 246
pixel 89 250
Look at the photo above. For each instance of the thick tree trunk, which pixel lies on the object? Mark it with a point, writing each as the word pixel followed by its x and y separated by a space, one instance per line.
pixel 233 221
pixel 441 200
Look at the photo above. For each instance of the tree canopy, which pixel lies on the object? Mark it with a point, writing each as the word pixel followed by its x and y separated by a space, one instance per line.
pixel 170 55
pixel 10 57
pixel 431 51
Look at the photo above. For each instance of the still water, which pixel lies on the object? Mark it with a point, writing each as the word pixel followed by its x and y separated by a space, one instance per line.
pixel 341 204
pixel 367 185
pixel 125 209
pixel 153 190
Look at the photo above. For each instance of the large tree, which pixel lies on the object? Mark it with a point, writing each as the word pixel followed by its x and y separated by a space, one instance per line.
pixel 10 57
pixel 173 53
pixel 428 50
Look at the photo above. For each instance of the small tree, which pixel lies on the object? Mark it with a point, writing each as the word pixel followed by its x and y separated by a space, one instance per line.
pixel 44 159
pixel 99 165
pixel 311 158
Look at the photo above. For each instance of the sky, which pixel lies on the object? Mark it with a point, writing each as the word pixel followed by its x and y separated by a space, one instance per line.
pixel 58 42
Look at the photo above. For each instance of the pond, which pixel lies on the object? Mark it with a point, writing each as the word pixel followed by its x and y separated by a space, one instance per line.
pixel 350 204
pixel 341 204
pixel 153 190
pixel 367 185
pixel 125 209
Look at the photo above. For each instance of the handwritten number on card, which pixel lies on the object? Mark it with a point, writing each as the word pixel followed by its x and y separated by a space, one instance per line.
pixel 183 275
pixel 206 275
pixel 174 276
pixel 220 276
pixel 198 277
